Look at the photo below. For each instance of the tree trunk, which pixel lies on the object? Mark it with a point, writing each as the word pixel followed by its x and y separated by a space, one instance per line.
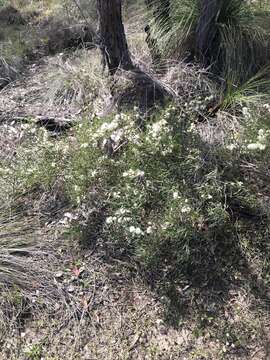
pixel 207 30
pixel 112 36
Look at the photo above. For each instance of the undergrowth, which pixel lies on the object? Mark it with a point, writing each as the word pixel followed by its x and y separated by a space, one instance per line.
pixel 178 199
pixel 180 207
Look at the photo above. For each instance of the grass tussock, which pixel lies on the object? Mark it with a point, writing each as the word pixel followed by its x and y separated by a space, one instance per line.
pixel 78 80
pixel 242 33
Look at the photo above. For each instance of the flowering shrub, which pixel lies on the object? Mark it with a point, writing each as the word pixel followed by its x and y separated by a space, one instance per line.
pixel 155 191
pixel 159 196
pixel 255 137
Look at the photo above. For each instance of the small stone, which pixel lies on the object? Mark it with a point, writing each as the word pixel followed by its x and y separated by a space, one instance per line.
pixel 59 274
pixel 71 289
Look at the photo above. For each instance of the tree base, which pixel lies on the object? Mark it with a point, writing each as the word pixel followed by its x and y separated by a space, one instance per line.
pixel 137 88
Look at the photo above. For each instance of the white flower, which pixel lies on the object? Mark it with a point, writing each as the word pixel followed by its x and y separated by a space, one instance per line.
pixel 256 146
pixel 149 230
pixel 140 173
pixel 109 220
pixel 108 126
pixel 138 231
pixel 231 147
pixel 133 173
pixel 132 229
pixel 262 147
pixel 262 135
pixel 117 117
pixel 116 195
pixel 267 107
pixel 68 215
pixel 176 195
pixel 121 211
pixel 191 128
pixel 84 145
pixel 185 209
pixel 135 230
pixel 246 112
pixel 165 225
pixel 117 135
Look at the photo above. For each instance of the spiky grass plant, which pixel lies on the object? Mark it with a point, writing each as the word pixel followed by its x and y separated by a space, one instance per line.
pixel 241 44
pixel 254 91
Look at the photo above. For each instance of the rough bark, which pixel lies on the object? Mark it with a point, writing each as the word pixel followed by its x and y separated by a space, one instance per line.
pixel 207 31
pixel 112 36
pixel 144 91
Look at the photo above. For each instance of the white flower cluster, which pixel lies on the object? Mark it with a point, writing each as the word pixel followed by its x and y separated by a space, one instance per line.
pixel 121 129
pixel 185 208
pixel 261 142
pixel 231 147
pixel 158 128
pixel 68 218
pixel 107 128
pixel 134 173
pixel 159 135
pixel 267 107
pixel 206 196
pixel 199 104
pixel 246 112
pixel 256 146
pixel 135 230
pixel 119 217
pixel 176 195
pixel 191 128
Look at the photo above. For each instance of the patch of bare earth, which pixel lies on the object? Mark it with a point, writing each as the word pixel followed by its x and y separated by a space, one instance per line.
pixel 91 306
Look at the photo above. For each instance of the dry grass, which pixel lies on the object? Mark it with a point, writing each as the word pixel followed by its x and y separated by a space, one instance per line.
pixel 78 80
